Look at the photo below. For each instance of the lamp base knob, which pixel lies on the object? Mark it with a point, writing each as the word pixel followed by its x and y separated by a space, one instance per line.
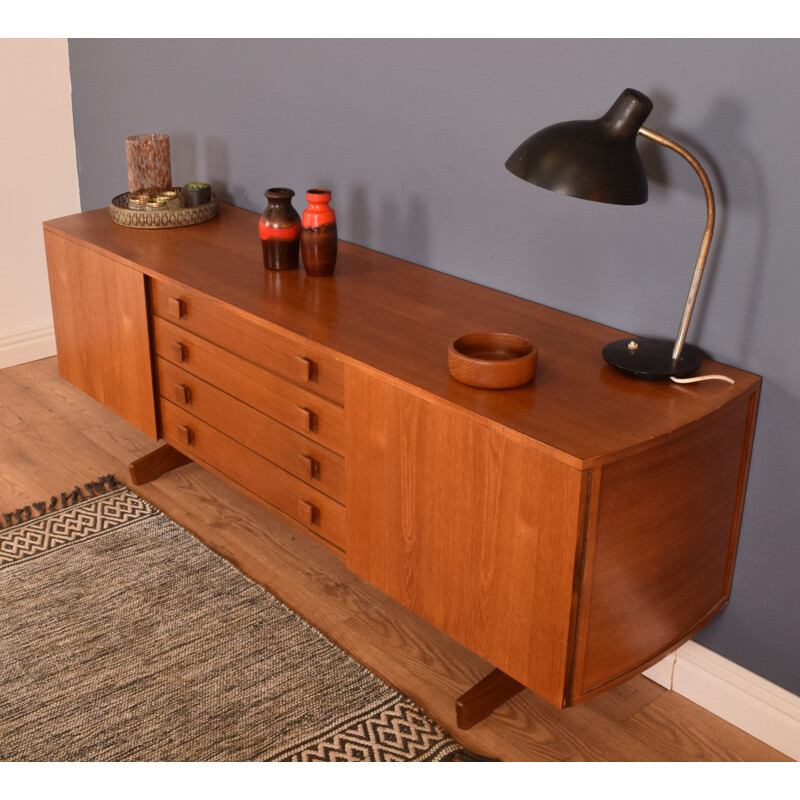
pixel 651 359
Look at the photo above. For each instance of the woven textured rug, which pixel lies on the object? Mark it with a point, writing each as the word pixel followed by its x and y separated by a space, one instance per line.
pixel 123 638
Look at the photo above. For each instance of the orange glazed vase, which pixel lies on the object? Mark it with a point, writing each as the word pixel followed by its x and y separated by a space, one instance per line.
pixel 318 237
pixel 279 228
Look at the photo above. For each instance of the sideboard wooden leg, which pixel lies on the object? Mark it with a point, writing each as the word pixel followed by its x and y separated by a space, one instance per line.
pixel 484 697
pixel 155 464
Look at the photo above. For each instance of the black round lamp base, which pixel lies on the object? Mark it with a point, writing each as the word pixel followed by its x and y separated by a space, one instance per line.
pixel 651 359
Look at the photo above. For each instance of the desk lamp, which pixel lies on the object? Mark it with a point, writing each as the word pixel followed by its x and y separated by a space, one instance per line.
pixel 598 160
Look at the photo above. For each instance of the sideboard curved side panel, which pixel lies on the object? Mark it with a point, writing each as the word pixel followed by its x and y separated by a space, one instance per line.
pixel 663 546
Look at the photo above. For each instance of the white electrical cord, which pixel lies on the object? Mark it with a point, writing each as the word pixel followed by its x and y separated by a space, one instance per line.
pixel 703 378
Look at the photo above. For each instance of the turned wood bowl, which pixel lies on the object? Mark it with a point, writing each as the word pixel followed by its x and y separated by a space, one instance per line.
pixel 492 360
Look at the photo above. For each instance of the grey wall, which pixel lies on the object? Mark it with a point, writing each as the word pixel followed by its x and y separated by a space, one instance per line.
pixel 412 136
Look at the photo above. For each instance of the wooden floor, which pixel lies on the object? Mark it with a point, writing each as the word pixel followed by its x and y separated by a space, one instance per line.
pixel 53 437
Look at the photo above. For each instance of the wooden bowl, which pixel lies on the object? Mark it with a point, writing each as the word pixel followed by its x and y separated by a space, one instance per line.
pixel 492 360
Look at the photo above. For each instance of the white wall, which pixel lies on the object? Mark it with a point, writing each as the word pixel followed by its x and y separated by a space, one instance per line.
pixel 40 175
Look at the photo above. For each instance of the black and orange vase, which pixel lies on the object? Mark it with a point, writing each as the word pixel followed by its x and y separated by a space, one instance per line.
pixel 279 228
pixel 318 237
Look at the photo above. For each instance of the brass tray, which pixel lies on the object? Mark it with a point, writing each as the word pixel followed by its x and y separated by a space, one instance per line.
pixel 161 217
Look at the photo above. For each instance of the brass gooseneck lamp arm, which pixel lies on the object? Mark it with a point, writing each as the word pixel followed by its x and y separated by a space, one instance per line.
pixel 707 234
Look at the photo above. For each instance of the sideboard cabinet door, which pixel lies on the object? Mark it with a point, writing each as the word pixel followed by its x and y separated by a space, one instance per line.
pixel 477 534
pixel 101 327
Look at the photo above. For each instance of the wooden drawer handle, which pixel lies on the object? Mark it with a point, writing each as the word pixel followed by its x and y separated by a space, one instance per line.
pixel 183 394
pixel 309 466
pixel 304 369
pixel 185 434
pixel 176 308
pixel 304 418
pixel 307 513
pixel 179 352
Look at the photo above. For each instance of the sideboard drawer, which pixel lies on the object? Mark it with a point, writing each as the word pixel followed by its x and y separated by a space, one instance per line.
pixel 305 412
pixel 302 457
pixel 296 360
pixel 198 440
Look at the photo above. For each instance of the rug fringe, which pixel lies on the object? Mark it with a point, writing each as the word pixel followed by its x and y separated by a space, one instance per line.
pixel 103 485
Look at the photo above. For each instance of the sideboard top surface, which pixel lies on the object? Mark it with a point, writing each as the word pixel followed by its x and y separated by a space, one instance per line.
pixel 399 318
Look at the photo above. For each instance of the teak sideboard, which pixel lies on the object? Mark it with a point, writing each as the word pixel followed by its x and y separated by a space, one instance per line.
pixel 571 532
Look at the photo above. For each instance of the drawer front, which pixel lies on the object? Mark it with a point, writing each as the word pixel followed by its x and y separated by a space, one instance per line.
pixel 302 457
pixel 198 440
pixel 309 414
pixel 297 360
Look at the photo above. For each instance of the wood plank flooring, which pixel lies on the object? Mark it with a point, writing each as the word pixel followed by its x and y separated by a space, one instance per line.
pixel 53 437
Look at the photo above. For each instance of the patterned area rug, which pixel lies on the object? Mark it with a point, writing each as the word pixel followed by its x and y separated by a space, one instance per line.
pixel 123 638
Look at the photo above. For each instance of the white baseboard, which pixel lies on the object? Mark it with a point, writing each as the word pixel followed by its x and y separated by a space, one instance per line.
pixel 661 672
pixel 733 693
pixel 30 345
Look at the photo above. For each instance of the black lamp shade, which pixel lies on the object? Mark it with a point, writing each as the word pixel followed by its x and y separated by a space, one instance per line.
pixel 592 159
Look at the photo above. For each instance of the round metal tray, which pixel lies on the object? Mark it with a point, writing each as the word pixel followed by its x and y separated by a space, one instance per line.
pixel 162 217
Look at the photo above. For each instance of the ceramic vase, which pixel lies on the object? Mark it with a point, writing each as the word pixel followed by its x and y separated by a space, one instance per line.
pixel 318 237
pixel 279 228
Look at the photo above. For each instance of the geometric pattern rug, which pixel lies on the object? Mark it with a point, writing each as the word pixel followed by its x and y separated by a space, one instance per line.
pixel 124 638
